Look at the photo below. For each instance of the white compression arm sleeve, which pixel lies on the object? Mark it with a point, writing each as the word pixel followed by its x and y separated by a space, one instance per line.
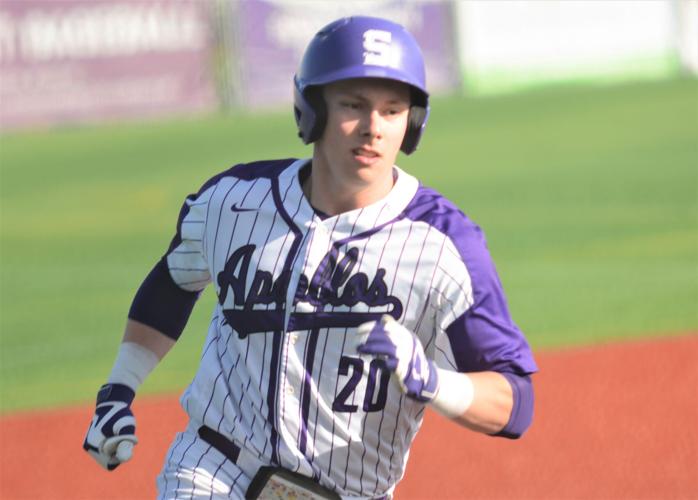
pixel 133 364
pixel 455 394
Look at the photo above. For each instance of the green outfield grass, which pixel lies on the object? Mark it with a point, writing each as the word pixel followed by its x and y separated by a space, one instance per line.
pixel 588 196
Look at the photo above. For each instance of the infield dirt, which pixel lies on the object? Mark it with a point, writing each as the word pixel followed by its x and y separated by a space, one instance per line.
pixel 615 421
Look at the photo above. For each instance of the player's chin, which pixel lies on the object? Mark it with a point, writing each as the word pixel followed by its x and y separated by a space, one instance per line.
pixel 367 175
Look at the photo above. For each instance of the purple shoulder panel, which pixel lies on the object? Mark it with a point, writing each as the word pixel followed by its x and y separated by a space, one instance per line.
pixel 483 338
pixel 265 169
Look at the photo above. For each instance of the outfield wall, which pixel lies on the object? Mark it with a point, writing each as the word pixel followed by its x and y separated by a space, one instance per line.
pixel 270 37
pixel 76 61
pixel 80 61
pixel 509 45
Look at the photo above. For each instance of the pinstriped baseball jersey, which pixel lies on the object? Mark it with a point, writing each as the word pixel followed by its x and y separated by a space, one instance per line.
pixel 279 372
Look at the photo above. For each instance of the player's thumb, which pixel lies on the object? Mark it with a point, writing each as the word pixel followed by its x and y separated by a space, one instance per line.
pixel 124 451
pixel 362 333
pixel 119 447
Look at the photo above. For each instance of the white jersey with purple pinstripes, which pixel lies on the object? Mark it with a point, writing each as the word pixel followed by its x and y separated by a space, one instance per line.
pixel 280 374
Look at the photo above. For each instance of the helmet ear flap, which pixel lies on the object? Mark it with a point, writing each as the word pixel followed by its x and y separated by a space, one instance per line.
pixel 310 112
pixel 416 122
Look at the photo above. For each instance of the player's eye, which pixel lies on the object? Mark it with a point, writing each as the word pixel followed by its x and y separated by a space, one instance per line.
pixel 395 111
pixel 355 105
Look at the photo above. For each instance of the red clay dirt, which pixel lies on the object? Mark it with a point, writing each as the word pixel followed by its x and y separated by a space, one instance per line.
pixel 612 422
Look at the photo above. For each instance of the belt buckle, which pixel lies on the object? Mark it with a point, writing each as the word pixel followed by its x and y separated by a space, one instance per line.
pixel 277 483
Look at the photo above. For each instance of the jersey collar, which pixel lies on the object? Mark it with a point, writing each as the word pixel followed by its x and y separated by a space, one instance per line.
pixel 348 223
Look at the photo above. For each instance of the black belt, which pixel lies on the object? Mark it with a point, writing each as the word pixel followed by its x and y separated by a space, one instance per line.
pixel 232 452
pixel 220 442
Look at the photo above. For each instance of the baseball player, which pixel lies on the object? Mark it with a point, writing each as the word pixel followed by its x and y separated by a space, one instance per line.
pixel 350 298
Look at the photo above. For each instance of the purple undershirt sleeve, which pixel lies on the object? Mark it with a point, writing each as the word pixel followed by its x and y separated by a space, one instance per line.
pixel 522 410
pixel 161 304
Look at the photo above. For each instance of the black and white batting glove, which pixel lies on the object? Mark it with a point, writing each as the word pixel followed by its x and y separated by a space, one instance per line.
pixel 112 433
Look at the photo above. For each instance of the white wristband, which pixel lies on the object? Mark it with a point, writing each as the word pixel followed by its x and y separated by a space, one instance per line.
pixel 455 394
pixel 133 364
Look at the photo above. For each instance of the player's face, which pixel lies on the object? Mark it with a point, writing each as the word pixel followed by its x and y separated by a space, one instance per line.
pixel 366 123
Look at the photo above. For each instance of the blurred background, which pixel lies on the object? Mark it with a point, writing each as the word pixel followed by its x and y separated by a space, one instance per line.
pixel 567 129
pixel 79 62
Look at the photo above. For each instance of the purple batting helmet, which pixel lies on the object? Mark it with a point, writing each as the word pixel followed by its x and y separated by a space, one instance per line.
pixel 360 47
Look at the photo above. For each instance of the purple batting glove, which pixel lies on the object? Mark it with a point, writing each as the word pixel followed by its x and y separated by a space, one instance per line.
pixel 403 354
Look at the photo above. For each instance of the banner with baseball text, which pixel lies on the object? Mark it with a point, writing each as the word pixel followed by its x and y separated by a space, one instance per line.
pixel 78 61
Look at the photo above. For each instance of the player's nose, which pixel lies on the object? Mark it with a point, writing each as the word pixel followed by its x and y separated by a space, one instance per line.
pixel 371 125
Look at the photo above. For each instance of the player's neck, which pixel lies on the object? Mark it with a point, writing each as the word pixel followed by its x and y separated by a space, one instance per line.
pixel 330 196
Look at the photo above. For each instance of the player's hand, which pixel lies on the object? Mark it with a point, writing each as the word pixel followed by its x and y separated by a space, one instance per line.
pixel 111 435
pixel 403 354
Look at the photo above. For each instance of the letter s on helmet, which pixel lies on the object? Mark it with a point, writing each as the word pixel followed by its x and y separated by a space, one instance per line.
pixel 360 47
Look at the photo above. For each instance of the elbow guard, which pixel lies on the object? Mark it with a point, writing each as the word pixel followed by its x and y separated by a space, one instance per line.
pixel 522 410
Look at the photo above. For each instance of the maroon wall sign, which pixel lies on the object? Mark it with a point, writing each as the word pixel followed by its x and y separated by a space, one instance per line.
pixel 274 33
pixel 86 61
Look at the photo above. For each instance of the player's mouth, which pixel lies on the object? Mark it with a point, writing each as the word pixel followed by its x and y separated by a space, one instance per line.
pixel 366 156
